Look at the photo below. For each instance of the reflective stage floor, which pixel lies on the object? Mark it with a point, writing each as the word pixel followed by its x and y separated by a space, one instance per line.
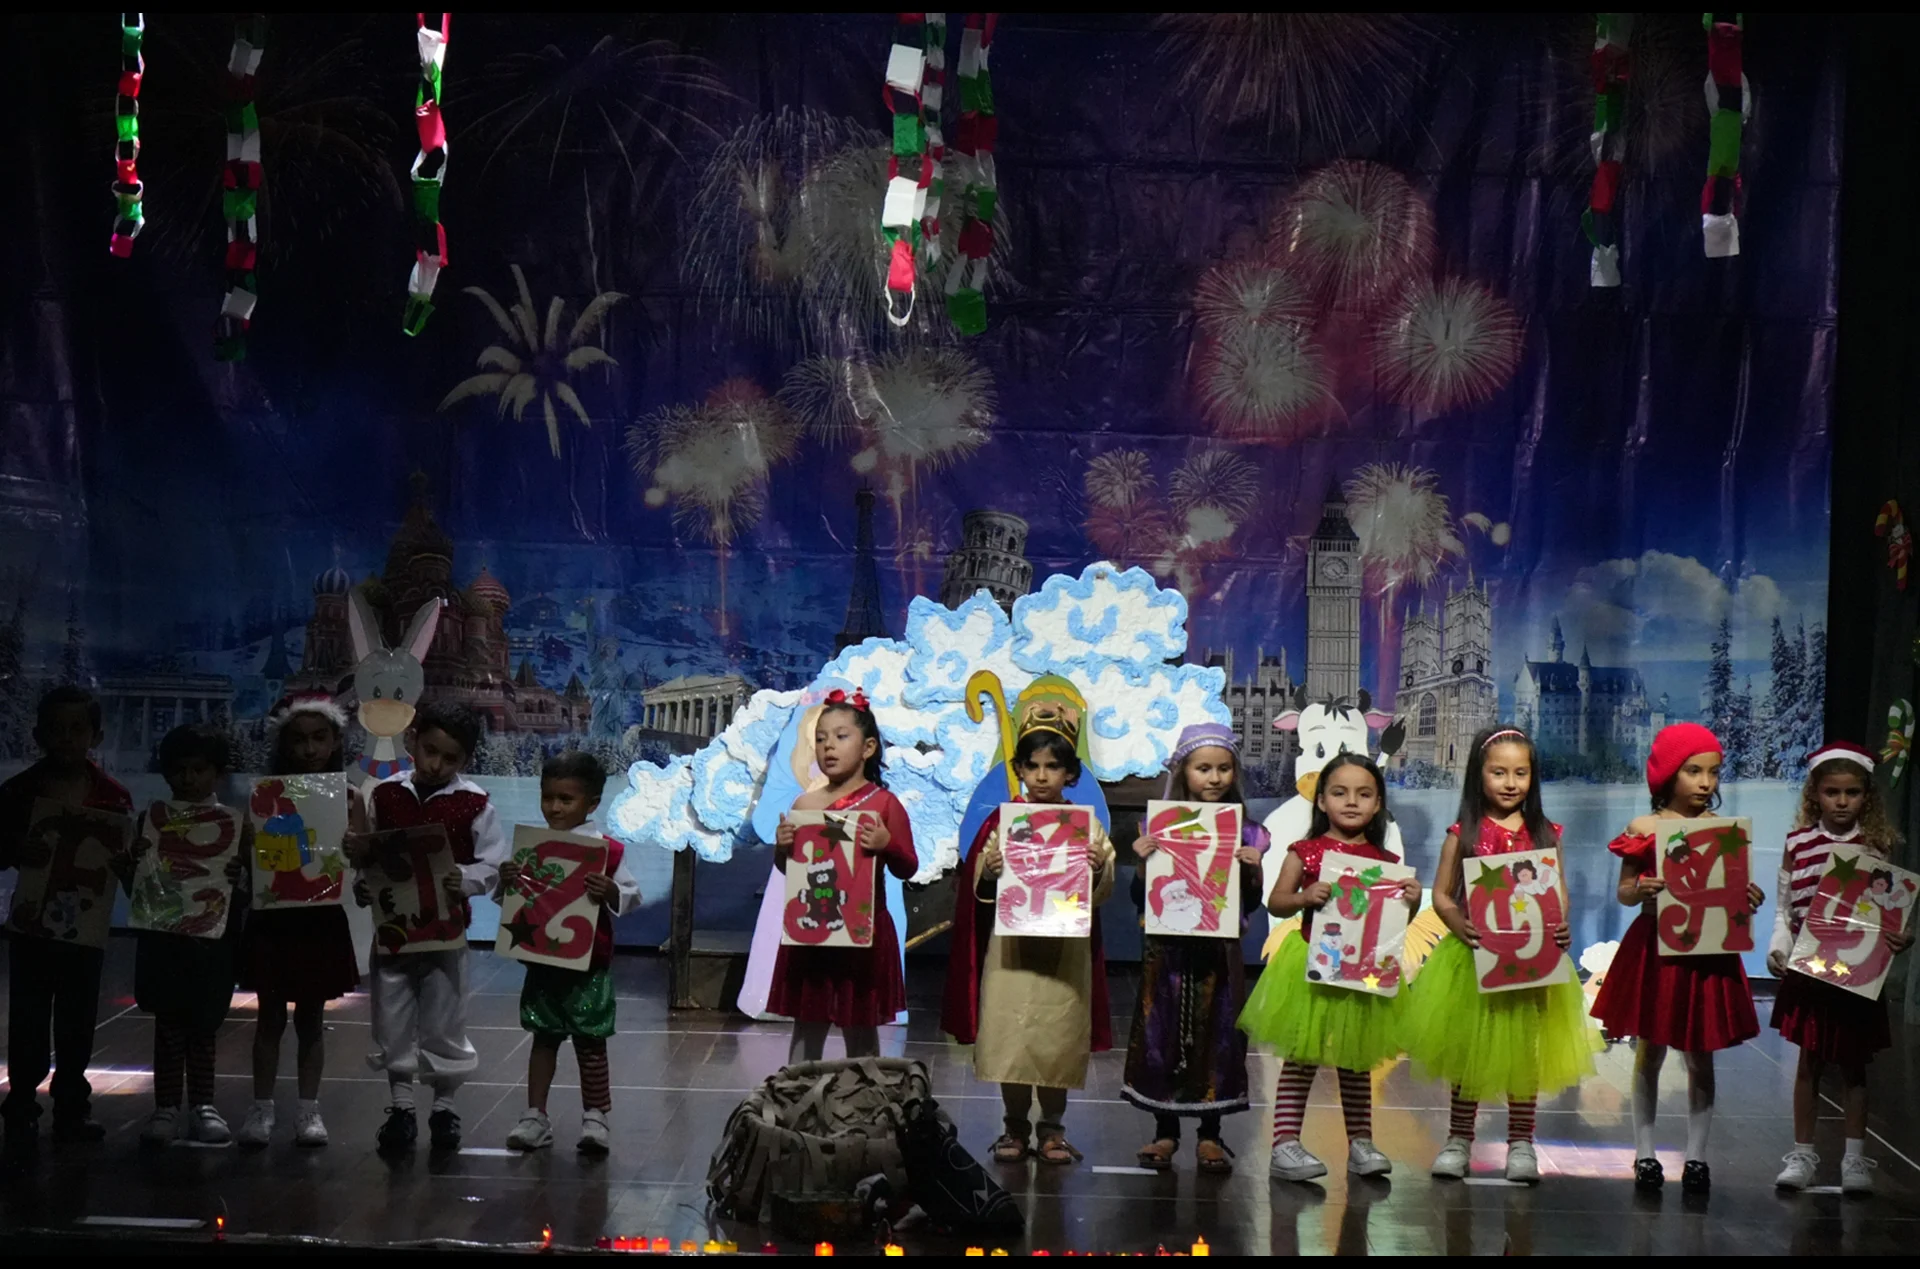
pixel 677 1076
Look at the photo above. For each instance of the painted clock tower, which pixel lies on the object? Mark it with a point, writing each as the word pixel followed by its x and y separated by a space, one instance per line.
pixel 1333 603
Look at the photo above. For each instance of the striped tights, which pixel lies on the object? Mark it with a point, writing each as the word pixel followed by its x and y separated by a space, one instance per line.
pixel 596 1083
pixel 181 1056
pixel 1519 1118
pixel 1290 1101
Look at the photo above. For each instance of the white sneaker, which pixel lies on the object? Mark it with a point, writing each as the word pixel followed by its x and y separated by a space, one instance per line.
pixel 1856 1174
pixel 1363 1159
pixel 1798 1174
pixel 309 1129
pixel 594 1138
pixel 1523 1164
pixel 1291 1162
pixel 208 1127
pixel 1455 1159
pixel 533 1132
pixel 258 1128
pixel 162 1127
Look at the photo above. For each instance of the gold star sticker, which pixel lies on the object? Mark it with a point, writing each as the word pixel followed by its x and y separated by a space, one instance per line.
pixel 1372 981
pixel 1519 905
pixel 1817 965
pixel 1840 970
pixel 1066 903
pixel 1861 909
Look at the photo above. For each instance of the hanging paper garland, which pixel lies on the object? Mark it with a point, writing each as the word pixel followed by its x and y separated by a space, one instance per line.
pixel 909 166
pixel 429 173
pixel 241 179
pixel 1611 33
pixel 1899 740
pixel 129 217
pixel 974 141
pixel 932 98
pixel 1730 105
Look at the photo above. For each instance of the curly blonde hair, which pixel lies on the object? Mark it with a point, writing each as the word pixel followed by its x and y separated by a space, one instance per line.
pixel 1876 830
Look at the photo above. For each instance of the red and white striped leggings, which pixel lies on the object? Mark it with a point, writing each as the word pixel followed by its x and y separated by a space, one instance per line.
pixel 1519 1118
pixel 1290 1101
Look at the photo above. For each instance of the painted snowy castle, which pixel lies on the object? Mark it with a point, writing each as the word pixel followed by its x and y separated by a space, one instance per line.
pixel 1447 691
pixel 1595 713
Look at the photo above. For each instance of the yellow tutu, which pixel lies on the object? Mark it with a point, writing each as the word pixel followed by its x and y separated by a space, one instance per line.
pixel 1500 1045
pixel 1324 1026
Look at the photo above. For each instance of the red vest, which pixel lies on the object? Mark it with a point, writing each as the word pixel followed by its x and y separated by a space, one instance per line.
pixel 396 805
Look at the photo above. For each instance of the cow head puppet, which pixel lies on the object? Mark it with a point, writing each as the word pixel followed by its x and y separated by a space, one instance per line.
pixel 1329 728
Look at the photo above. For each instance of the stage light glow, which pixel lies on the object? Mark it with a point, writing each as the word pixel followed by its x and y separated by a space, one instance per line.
pixel 823 1249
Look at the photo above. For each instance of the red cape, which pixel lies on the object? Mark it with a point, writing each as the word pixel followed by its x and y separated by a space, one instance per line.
pixel 972 926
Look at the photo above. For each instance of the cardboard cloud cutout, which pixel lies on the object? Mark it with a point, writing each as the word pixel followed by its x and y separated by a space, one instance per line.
pixel 1108 630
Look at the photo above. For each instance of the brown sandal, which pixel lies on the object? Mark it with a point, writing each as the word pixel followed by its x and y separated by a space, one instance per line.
pixel 1058 1151
pixel 1213 1157
pixel 1008 1149
pixel 1157 1154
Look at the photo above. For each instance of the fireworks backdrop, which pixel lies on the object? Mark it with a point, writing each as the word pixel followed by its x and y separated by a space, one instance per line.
pixel 1238 262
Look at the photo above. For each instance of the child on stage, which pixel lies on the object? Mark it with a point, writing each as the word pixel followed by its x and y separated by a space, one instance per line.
pixel 420 998
pixel 557 1002
pixel 854 988
pixel 299 955
pixel 1839 806
pixel 1312 1025
pixel 1696 1004
pixel 1035 1009
pixel 1185 1055
pixel 184 981
pixel 1511 1045
pixel 53 988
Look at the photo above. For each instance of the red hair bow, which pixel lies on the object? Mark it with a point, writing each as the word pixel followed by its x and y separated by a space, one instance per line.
pixel 858 700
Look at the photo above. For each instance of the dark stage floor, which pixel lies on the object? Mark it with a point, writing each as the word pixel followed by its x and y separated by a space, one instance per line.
pixel 677 1076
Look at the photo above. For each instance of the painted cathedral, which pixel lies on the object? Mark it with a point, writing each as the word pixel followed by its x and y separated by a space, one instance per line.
pixel 470 660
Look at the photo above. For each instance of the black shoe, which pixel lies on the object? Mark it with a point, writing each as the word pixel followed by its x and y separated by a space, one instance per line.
pixel 444 1125
pixel 400 1131
pixel 77 1130
pixel 1648 1174
pixel 1695 1177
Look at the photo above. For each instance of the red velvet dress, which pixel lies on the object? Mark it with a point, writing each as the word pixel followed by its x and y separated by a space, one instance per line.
pixel 853 986
pixel 1697 1004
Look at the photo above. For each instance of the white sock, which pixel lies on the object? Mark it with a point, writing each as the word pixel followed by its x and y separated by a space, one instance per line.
pixel 400 1091
pixel 1699 1104
pixel 1856 1147
pixel 309 1105
pixel 1803 1147
pixel 1646 1098
pixel 1699 1124
pixel 264 1105
pixel 442 1101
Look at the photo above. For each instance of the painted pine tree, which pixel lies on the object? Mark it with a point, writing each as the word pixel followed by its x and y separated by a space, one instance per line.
pixel 1814 689
pixel 73 654
pixel 1784 745
pixel 16 693
pixel 1720 692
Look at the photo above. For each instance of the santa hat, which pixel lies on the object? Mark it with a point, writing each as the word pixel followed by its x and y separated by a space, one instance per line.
pixel 1842 751
pixel 1671 749
pixel 321 703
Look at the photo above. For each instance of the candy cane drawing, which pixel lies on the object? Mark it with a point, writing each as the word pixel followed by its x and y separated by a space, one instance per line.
pixel 1892 526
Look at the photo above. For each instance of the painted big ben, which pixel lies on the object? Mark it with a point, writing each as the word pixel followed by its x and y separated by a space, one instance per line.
pixel 1333 604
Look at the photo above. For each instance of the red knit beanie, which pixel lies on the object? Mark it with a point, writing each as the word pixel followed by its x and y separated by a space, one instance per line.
pixel 1671 749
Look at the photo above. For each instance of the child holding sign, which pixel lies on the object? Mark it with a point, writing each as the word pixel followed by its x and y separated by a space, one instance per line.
pixel 557 1003
pixel 1034 1008
pixel 302 955
pixel 53 988
pixel 1511 1045
pixel 186 981
pixel 1310 1024
pixel 420 998
pixel 1185 1055
pixel 1696 1004
pixel 853 988
pixel 1839 806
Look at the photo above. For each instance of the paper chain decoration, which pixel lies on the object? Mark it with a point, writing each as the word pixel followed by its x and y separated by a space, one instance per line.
pixel 974 140
pixel 1730 105
pixel 1892 526
pixel 910 164
pixel 1610 64
pixel 429 172
pixel 1899 740
pixel 241 178
pixel 129 218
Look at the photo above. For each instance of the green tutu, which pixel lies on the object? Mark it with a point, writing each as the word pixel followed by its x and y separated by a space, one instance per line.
pixel 1322 1026
pixel 1496 1046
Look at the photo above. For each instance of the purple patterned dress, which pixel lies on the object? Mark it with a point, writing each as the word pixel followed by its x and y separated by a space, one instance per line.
pixel 1186 1055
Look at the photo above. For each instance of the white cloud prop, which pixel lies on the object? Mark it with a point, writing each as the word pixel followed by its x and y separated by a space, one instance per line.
pixel 1109 631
